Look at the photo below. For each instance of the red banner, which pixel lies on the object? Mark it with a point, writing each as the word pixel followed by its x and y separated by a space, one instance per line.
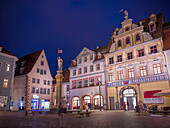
pixel 149 94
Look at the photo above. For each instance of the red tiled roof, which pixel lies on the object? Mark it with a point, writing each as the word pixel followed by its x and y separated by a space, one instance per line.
pixel 6 51
pixel 29 61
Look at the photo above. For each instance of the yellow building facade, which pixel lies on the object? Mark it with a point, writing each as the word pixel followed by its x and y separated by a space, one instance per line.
pixel 135 64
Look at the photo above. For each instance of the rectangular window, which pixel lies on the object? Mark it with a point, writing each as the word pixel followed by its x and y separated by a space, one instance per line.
pixel 48 92
pixel 119 58
pixel 140 52
pixel 41 72
pixel 153 49
pixel 98 80
pixel 48 82
pixel 33 89
pixel 67 88
pixel 7 67
pixel 131 73
pixel 79 70
pixel 111 75
pixel 37 90
pixel 85 83
pixel 74 84
pixel 42 63
pixel 91 57
pixel 38 81
pixel 38 70
pixel 157 68
pixel 45 72
pixel 85 69
pixel 41 91
pixel 120 75
pixel 33 80
pixel 74 72
pixel 80 61
pixel 92 81
pixel 79 84
pixel 44 82
pixel 44 90
pixel 97 67
pixel 85 59
pixel 129 55
pixel 5 84
pixel 91 68
pixel 143 71
pixel 111 60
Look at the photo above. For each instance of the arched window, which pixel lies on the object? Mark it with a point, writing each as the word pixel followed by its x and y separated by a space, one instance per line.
pixel 96 101
pixel 119 43
pixel 137 37
pixel 152 27
pixel 76 102
pixel 127 28
pixel 128 40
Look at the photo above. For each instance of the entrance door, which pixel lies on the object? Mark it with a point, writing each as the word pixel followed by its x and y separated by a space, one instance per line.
pixel 112 103
pixel 35 104
pixel 130 101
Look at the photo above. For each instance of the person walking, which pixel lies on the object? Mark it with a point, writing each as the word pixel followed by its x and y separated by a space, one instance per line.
pixel 124 104
pixel 127 105
pixel 62 112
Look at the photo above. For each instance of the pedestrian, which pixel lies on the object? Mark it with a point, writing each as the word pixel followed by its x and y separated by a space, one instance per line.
pixel 124 104
pixel 62 112
pixel 127 105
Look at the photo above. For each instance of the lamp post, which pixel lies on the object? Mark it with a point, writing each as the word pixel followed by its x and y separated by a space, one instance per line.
pixel 100 92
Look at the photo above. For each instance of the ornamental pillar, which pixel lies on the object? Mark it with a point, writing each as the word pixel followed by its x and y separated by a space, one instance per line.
pixel 59 78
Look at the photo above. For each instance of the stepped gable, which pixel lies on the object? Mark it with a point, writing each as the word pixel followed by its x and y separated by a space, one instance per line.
pixel 27 62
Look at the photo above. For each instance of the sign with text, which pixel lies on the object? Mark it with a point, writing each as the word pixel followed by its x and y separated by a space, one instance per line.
pixel 150 99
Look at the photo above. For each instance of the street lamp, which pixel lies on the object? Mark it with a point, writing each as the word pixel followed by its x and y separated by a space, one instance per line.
pixel 100 92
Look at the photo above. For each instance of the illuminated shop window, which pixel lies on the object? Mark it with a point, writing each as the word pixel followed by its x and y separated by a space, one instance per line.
pixel 97 101
pixel 76 102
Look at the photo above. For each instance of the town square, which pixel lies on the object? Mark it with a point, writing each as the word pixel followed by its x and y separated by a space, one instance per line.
pixel 84 64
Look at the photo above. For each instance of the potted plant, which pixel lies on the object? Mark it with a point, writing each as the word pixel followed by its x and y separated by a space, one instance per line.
pixel 92 84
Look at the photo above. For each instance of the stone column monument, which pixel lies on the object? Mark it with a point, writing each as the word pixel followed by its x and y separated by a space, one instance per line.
pixel 59 78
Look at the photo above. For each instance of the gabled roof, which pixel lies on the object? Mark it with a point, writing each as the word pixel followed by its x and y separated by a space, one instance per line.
pixel 145 22
pixel 5 51
pixel 27 62
pixel 66 74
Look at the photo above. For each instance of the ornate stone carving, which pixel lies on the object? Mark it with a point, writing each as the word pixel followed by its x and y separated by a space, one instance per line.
pixel 112 48
pixel 147 36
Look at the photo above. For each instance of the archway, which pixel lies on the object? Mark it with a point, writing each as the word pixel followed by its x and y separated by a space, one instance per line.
pixel 75 102
pixel 96 101
pixel 86 102
pixel 129 96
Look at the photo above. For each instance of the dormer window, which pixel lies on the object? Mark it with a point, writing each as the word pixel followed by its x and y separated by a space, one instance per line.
pixel 152 27
pixel 117 32
pixel 119 43
pixel 127 40
pixel 127 29
pixel 137 37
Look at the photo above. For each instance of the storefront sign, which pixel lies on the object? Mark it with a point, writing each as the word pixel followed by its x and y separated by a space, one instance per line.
pixel 150 99
pixel 35 96
pixel 138 80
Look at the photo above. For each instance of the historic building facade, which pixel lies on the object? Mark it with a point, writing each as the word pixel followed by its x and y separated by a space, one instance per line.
pixel 135 64
pixel 87 79
pixel 32 83
pixel 7 70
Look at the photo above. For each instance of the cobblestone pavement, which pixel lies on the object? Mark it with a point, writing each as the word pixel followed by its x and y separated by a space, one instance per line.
pixel 104 119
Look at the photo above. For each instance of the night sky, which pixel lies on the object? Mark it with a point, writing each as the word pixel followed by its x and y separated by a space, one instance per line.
pixel 30 25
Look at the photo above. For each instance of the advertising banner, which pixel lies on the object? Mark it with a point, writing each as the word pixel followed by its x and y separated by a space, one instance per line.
pixel 150 99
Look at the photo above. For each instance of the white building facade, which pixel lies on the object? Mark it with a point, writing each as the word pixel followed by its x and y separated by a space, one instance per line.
pixel 33 83
pixel 87 77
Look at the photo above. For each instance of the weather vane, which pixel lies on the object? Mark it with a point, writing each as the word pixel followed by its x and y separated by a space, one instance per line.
pixel 125 12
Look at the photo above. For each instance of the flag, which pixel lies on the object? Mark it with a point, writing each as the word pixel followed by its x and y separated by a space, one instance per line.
pixel 60 51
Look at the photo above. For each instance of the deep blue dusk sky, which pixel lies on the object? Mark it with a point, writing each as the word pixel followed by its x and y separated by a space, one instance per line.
pixel 30 25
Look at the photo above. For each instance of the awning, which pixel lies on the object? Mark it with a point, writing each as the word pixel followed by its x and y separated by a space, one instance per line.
pixel 163 93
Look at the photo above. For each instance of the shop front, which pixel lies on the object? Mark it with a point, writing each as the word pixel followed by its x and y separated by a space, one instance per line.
pixel 45 104
pixel 3 102
pixel 76 102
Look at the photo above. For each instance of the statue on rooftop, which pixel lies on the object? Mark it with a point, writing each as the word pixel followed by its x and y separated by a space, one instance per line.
pixel 126 14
